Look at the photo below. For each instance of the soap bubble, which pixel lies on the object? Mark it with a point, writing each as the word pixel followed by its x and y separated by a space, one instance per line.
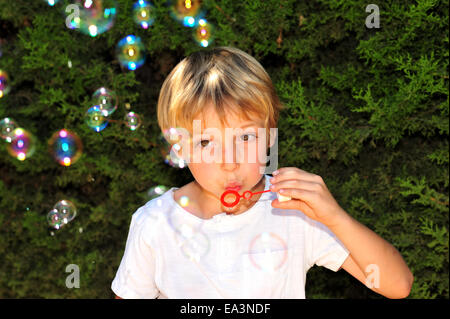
pixel 95 16
pixel 268 252
pixel 169 153
pixel 66 209
pixel 171 141
pixel 51 2
pixel 194 244
pixel 4 83
pixel 204 32
pixel 156 191
pixel 106 99
pixel 132 120
pixel 143 13
pixel 95 118
pixel 7 126
pixel 22 145
pixel 54 219
pixel 184 201
pixel 187 12
pixel 188 235
pixel 131 52
pixel 66 147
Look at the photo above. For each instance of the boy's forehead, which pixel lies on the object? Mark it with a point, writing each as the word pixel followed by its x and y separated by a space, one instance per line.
pixel 210 119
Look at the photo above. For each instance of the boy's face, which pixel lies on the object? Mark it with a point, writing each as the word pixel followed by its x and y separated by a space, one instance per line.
pixel 227 157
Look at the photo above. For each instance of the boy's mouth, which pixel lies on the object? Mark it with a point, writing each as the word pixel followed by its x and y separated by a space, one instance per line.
pixel 233 186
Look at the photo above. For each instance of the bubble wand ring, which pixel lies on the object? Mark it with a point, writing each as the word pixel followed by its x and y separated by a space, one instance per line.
pixel 246 195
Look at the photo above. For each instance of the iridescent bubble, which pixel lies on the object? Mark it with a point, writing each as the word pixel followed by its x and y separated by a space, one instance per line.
pixel 268 252
pixel 189 237
pixel 106 99
pixel 131 52
pixel 95 118
pixel 171 141
pixel 22 145
pixel 143 13
pixel 54 219
pixel 194 244
pixel 184 201
pixel 132 120
pixel 187 12
pixel 95 16
pixel 204 33
pixel 65 147
pixel 4 83
pixel 51 2
pixel 66 209
pixel 156 191
pixel 171 158
pixel 7 126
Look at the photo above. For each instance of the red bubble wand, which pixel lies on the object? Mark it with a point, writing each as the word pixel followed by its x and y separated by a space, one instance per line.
pixel 246 195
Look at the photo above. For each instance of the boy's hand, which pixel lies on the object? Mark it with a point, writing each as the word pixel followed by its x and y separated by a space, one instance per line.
pixel 309 194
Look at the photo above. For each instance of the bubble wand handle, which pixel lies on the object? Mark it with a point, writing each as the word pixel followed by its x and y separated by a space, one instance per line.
pixel 261 192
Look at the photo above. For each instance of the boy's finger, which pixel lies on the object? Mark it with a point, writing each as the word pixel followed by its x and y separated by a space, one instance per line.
pixel 294 183
pixel 293 173
pixel 295 193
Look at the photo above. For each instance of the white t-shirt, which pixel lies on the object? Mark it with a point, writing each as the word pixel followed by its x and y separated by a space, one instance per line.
pixel 264 252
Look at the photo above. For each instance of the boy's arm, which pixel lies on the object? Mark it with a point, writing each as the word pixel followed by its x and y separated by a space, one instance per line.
pixel 368 251
pixel 372 255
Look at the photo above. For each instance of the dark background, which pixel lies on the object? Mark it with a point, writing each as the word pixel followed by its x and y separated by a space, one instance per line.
pixel 365 108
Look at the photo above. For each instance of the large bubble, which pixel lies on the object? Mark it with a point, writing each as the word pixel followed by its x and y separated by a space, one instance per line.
pixel 268 252
pixel 204 33
pixel 22 145
pixel 132 121
pixel 66 209
pixel 131 52
pixel 106 100
pixel 187 12
pixel 143 13
pixel 95 118
pixel 62 213
pixel 93 17
pixel 65 147
pixel 172 140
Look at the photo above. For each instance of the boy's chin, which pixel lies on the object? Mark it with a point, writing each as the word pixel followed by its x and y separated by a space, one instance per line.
pixel 231 210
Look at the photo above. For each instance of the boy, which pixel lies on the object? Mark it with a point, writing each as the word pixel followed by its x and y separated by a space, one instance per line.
pixel 188 243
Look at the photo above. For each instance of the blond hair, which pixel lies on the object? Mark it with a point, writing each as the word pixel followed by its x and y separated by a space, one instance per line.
pixel 227 78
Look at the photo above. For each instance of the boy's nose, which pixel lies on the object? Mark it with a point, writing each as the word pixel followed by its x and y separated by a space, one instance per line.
pixel 229 162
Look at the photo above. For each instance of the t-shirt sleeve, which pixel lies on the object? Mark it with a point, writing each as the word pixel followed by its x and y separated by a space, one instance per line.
pixel 135 277
pixel 325 249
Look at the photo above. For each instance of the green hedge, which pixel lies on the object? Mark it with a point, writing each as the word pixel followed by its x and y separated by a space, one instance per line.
pixel 366 108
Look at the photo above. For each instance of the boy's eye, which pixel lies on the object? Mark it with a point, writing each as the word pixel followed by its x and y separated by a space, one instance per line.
pixel 204 143
pixel 248 137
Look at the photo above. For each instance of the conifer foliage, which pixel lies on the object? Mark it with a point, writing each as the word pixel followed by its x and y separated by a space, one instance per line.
pixel 366 108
